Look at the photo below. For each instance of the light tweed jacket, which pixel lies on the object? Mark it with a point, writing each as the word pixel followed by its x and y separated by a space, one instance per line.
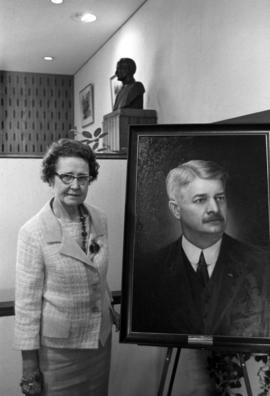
pixel 62 298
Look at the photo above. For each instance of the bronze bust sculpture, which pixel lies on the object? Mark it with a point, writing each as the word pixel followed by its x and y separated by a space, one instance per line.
pixel 131 92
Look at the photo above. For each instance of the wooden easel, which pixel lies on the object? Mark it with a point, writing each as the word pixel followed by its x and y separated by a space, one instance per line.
pixel 246 377
pixel 166 365
pixel 165 369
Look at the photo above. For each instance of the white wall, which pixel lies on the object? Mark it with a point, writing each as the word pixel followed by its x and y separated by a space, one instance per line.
pixel 21 195
pixel 200 61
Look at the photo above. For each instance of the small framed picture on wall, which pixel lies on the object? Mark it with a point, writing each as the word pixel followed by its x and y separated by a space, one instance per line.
pixel 86 98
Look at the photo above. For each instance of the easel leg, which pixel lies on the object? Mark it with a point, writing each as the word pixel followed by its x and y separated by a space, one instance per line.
pixel 176 360
pixel 246 378
pixel 165 371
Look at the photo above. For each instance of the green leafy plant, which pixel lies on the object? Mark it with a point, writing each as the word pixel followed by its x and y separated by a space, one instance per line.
pixel 91 138
pixel 264 373
pixel 226 370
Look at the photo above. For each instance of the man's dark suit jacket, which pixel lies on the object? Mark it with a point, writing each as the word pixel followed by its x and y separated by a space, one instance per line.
pixel 168 297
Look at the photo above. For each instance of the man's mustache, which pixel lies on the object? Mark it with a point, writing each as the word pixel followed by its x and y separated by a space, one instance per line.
pixel 214 217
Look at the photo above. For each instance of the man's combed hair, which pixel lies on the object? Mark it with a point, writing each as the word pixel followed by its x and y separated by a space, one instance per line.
pixel 185 173
pixel 67 148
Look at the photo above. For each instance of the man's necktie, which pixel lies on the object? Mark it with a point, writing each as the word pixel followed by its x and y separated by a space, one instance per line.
pixel 202 270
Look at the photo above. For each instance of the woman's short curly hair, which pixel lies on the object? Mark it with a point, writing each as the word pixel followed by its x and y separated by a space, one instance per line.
pixel 67 148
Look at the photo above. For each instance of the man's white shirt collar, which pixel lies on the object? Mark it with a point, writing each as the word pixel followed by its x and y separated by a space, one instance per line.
pixel 193 254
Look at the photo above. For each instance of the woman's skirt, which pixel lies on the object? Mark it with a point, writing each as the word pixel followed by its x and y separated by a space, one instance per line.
pixel 76 372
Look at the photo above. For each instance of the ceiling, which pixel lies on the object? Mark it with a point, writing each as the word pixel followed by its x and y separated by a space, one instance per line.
pixel 31 29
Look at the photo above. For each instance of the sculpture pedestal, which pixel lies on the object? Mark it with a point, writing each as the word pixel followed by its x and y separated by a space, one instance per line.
pixel 116 125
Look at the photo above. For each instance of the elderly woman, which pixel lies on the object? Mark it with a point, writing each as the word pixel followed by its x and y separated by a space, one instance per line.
pixel 63 307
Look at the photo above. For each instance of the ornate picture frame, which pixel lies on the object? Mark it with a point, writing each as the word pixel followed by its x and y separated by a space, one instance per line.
pixel 149 226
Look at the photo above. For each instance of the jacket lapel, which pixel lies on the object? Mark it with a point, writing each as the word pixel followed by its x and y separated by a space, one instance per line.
pixel 70 248
pixel 67 246
pixel 192 312
pixel 227 278
pixel 184 311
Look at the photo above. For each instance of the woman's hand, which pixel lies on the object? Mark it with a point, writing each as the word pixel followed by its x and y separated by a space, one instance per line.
pixel 32 385
pixel 31 382
pixel 115 318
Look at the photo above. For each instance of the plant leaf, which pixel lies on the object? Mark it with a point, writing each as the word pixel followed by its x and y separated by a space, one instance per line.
pixel 86 141
pixel 94 146
pixel 97 132
pixel 87 134
pixel 103 134
pixel 72 132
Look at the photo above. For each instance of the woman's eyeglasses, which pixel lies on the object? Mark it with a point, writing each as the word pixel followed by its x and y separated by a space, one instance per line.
pixel 68 178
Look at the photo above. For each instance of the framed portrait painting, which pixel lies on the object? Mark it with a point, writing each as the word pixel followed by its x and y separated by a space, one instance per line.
pixel 194 189
pixel 86 98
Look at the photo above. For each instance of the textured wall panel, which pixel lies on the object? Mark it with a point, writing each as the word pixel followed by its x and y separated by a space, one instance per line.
pixel 35 110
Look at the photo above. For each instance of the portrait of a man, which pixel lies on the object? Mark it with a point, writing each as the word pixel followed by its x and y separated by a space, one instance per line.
pixel 200 253
pixel 204 282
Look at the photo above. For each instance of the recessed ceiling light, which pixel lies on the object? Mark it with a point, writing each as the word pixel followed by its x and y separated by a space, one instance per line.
pixel 57 1
pixel 48 58
pixel 86 17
